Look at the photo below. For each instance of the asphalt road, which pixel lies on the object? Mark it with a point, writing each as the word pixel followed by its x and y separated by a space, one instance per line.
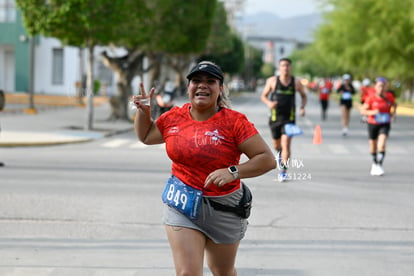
pixel 95 208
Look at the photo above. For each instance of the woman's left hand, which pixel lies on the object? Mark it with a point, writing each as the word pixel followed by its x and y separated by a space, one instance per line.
pixel 219 178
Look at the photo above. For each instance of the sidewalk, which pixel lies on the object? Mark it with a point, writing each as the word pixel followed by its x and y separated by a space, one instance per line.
pixel 58 120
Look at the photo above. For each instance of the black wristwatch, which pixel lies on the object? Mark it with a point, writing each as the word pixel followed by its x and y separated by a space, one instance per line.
pixel 234 171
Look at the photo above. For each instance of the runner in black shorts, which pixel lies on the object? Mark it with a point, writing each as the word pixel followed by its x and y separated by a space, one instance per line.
pixel 277 127
pixel 380 109
pixel 374 130
pixel 279 95
pixel 346 90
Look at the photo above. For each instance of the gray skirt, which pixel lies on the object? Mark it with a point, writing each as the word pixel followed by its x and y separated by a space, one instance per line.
pixel 219 226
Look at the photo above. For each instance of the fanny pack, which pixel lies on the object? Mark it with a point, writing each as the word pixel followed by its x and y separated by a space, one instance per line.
pixel 244 207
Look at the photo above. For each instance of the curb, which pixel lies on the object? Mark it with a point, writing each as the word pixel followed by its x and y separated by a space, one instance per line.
pixel 27 139
pixel 40 143
pixel 407 111
pixel 44 102
pixel 54 138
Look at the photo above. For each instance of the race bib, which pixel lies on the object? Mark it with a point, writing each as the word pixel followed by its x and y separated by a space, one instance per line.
pixel 346 95
pixel 182 197
pixel 382 118
pixel 292 130
pixel 325 90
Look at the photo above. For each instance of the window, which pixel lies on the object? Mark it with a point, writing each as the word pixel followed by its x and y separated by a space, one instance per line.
pixel 7 11
pixel 57 66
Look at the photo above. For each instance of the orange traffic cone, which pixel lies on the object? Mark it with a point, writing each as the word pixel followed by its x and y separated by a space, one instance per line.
pixel 317 135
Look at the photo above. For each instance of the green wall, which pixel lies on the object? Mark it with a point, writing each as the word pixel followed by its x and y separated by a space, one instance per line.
pixel 10 33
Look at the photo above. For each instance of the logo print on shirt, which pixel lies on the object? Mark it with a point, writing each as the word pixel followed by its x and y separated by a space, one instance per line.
pixel 214 135
pixel 209 138
pixel 173 130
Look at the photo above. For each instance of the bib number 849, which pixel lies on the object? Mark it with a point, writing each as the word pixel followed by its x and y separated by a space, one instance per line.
pixel 182 197
pixel 176 197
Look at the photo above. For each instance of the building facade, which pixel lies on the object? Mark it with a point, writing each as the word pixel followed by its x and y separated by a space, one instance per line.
pixel 57 69
pixel 14 50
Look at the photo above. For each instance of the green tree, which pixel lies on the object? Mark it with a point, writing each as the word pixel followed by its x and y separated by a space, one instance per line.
pixel 256 62
pixel 143 28
pixel 219 41
pixel 78 23
pixel 224 46
pixel 231 61
pixel 252 65
pixel 311 62
pixel 369 38
pixel 165 31
pixel 267 70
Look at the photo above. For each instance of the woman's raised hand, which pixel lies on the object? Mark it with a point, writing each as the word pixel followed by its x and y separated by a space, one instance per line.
pixel 143 100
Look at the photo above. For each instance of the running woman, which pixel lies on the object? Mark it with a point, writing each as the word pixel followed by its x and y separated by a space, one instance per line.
pixel 325 90
pixel 204 139
pixel 346 90
pixel 380 110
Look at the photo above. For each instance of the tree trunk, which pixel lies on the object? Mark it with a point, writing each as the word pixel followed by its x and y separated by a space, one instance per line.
pixel 180 64
pixel 125 68
pixel 155 73
pixel 89 90
pixel 410 95
pixel 80 87
pixel 31 72
pixel 119 103
pixel 407 91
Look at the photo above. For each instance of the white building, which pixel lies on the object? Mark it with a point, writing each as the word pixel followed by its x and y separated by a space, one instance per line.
pixel 57 68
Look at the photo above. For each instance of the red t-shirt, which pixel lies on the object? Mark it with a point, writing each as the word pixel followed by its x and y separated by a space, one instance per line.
pixel 324 92
pixel 198 148
pixel 329 84
pixel 383 104
pixel 367 91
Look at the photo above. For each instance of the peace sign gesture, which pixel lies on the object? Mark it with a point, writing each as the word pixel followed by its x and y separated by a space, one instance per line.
pixel 143 101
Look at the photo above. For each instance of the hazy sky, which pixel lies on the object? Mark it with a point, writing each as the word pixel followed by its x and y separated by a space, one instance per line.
pixel 281 8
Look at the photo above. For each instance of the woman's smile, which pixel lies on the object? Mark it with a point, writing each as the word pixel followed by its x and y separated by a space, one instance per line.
pixel 202 94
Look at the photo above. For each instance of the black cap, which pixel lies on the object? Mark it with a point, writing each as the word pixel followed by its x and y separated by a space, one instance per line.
pixel 209 68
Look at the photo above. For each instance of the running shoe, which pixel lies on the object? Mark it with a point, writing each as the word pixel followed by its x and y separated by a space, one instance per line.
pixel 374 169
pixel 344 131
pixel 377 170
pixel 282 176
pixel 380 170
